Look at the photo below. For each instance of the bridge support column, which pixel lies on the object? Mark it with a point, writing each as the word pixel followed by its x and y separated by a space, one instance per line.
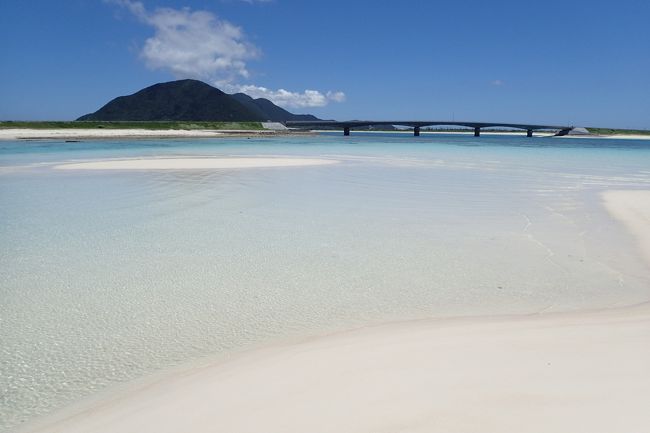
pixel 477 132
pixel 346 131
pixel 416 131
pixel 529 133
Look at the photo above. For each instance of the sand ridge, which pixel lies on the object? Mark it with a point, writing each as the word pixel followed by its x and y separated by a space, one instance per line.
pixel 193 163
pixel 632 208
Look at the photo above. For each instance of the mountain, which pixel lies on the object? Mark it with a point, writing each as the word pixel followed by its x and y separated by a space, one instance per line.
pixel 191 100
pixel 269 110
pixel 175 100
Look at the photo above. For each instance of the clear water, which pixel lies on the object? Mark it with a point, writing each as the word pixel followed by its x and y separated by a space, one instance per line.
pixel 109 276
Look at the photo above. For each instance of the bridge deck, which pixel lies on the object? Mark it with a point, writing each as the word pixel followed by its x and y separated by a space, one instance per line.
pixel 417 124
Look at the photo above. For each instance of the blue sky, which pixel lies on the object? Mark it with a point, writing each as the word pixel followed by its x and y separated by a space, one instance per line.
pixel 558 62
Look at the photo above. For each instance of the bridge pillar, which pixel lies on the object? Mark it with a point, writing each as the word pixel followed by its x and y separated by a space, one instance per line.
pixel 416 131
pixel 477 132
pixel 346 131
pixel 529 133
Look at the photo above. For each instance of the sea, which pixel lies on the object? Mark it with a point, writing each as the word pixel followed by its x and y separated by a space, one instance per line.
pixel 109 276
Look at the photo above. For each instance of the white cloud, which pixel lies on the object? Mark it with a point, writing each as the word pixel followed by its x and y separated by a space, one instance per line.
pixel 193 44
pixel 198 44
pixel 336 96
pixel 287 99
pixel 497 83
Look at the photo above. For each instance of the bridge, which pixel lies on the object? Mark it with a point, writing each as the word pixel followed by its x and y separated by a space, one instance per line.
pixel 418 124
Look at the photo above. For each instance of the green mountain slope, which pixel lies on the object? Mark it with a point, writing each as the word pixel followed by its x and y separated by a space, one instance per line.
pixel 190 100
pixel 268 109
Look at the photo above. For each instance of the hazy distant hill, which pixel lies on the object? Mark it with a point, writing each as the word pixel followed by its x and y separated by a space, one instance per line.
pixel 269 110
pixel 191 100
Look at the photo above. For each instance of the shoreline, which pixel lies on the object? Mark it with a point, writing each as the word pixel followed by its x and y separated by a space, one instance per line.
pixel 550 372
pixel 100 134
pixel 553 372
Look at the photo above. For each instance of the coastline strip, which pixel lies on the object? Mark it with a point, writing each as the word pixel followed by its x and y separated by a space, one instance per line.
pixel 117 134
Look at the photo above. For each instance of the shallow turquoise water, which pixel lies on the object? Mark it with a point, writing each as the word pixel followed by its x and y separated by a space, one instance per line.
pixel 108 276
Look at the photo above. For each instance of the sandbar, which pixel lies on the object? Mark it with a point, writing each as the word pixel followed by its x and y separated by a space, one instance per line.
pixel 192 163
pixel 583 371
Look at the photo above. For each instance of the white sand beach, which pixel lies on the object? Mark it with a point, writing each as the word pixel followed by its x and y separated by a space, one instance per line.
pixel 88 134
pixel 560 372
pixel 193 163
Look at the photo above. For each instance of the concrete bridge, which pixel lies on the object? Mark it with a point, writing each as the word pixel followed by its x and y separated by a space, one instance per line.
pixel 417 124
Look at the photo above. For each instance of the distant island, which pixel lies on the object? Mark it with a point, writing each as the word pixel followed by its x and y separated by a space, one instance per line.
pixel 191 100
pixel 192 105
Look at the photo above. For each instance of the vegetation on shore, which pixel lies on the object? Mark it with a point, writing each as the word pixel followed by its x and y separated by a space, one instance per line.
pixel 162 125
pixel 609 131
